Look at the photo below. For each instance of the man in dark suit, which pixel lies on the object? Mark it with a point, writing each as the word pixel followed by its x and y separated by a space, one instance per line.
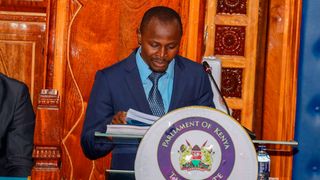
pixel 128 84
pixel 16 128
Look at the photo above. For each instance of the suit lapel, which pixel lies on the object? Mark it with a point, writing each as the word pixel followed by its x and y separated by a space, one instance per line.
pixel 134 84
pixel 178 84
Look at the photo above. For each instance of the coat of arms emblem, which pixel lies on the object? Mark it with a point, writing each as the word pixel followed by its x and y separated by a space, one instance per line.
pixel 195 157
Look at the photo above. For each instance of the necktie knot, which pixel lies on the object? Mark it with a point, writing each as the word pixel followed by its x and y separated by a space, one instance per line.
pixel 154 77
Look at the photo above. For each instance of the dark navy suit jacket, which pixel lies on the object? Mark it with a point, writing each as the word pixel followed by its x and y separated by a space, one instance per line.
pixel 119 88
pixel 16 128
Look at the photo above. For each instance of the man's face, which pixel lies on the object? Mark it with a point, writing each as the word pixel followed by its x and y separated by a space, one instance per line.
pixel 159 44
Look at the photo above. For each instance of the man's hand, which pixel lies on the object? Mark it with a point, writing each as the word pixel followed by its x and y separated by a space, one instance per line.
pixel 119 118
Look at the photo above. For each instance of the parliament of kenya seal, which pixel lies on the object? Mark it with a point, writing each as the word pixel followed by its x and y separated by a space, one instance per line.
pixel 196 148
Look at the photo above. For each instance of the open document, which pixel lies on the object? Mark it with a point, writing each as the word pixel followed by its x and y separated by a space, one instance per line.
pixel 137 124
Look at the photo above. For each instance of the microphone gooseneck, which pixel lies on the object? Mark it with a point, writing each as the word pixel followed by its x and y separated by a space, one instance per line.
pixel 208 70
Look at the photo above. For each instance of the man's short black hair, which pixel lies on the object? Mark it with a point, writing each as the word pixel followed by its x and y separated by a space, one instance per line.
pixel 163 14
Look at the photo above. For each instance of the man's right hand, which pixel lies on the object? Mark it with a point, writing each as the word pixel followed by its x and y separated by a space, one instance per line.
pixel 120 118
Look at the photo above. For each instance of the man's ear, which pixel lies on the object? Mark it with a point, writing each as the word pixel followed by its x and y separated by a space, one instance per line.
pixel 139 36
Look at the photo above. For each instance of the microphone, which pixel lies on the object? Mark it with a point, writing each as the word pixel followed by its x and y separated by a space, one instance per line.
pixel 207 69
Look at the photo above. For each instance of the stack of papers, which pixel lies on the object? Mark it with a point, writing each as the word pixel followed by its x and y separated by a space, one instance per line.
pixel 137 124
pixel 126 130
pixel 138 118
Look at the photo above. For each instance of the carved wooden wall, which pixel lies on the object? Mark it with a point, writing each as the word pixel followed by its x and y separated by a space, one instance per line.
pixel 232 28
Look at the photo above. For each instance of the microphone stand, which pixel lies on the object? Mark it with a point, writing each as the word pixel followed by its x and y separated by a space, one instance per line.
pixel 207 69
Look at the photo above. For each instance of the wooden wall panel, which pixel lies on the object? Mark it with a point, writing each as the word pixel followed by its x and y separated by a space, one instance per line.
pixel 281 81
pixel 90 45
pixel 22 37
pixel 24 5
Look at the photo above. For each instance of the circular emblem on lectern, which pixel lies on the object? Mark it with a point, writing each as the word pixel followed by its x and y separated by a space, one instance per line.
pixel 196 143
pixel 196 147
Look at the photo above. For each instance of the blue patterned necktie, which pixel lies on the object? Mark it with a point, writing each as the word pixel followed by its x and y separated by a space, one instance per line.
pixel 154 98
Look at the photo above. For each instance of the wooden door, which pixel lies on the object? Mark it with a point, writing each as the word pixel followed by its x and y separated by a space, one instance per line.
pixel 232 28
